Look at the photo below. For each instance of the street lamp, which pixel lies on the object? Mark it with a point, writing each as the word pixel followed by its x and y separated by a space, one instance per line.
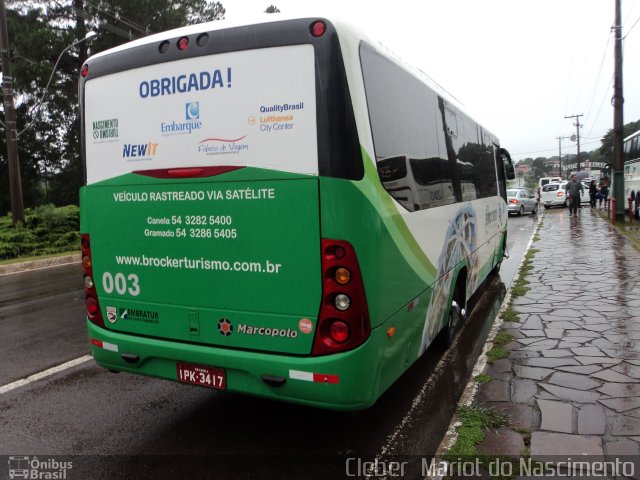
pixel 13 161
pixel 88 37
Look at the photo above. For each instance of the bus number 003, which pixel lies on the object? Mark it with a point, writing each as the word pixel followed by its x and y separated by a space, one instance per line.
pixel 121 284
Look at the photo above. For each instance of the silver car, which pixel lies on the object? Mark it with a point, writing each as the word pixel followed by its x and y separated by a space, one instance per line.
pixel 521 201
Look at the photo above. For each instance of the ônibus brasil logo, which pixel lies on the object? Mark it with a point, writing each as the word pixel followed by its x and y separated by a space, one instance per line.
pixel 225 327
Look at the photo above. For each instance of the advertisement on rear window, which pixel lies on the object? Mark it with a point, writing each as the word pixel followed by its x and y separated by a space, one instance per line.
pixel 252 108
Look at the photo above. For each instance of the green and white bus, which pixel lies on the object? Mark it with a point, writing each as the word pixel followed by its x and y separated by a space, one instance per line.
pixel 236 233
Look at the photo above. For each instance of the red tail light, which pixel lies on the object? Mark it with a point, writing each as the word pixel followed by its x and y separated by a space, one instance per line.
pixel 93 306
pixel 318 28
pixel 343 323
pixel 560 194
pixel 513 200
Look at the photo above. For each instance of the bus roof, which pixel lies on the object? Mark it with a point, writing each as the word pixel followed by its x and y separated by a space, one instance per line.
pixel 634 134
pixel 345 28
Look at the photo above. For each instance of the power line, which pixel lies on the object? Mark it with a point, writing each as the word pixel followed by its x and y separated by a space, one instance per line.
pixel 551 149
pixel 629 31
pixel 604 56
pixel 606 95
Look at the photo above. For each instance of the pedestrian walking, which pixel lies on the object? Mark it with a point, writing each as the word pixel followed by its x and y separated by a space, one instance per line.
pixel 604 192
pixel 593 191
pixel 573 190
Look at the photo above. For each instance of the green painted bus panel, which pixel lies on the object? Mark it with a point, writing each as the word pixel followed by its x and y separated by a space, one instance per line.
pixel 373 189
pixel 245 254
pixel 403 348
pixel 349 215
pixel 355 371
pixel 393 266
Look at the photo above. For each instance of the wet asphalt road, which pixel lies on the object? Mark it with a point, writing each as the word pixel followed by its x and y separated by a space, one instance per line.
pixel 88 411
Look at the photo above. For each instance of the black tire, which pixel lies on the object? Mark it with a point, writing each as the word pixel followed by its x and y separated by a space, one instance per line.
pixel 535 210
pixel 496 269
pixel 547 207
pixel 457 314
pixel 455 321
pixel 521 211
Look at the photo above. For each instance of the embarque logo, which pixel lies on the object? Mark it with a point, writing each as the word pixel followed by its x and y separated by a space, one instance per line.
pixel 193 111
pixel 192 122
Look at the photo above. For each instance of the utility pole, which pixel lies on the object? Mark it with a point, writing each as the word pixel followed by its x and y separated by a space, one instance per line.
pixel 618 100
pixel 15 183
pixel 578 126
pixel 560 155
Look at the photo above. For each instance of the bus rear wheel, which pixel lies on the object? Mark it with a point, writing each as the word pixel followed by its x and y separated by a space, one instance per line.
pixel 457 316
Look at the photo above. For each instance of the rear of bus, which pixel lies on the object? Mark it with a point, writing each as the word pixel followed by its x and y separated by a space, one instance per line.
pixel 221 218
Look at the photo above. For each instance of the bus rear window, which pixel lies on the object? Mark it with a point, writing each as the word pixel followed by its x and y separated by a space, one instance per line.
pixel 205 111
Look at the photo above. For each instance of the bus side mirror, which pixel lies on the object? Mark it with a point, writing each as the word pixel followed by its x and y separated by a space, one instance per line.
pixel 510 172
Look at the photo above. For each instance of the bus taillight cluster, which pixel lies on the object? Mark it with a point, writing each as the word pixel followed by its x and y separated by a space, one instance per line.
pixel 93 307
pixel 343 323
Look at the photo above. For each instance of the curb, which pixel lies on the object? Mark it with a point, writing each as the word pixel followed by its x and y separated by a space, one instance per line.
pixel 469 392
pixel 37 264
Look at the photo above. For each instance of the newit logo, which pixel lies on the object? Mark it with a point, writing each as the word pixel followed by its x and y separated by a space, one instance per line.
pixel 139 151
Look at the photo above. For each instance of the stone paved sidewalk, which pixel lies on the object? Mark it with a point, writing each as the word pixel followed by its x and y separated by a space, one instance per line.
pixel 573 376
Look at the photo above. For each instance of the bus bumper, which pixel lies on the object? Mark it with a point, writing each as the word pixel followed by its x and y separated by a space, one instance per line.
pixel 342 381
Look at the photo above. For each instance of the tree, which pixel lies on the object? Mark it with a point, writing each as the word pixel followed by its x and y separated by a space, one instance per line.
pixel 607 141
pixel 538 168
pixel 48 144
pixel 272 9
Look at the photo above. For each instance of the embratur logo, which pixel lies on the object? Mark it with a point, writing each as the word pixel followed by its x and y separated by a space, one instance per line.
pixel 192 111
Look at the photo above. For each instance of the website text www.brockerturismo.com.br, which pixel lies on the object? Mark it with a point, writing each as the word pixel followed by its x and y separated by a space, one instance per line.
pixel 265 266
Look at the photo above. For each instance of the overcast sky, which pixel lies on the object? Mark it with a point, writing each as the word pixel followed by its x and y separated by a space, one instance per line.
pixel 516 66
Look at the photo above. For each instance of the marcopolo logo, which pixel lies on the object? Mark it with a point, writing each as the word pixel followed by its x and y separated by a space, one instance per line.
pixel 192 122
pixel 267 331
pixel 225 327
pixel 27 467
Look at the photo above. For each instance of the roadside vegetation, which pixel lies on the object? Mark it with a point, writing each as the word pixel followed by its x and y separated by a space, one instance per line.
pixel 47 230
pixel 475 420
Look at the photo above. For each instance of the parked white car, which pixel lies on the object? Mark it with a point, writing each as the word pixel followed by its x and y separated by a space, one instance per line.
pixel 554 195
